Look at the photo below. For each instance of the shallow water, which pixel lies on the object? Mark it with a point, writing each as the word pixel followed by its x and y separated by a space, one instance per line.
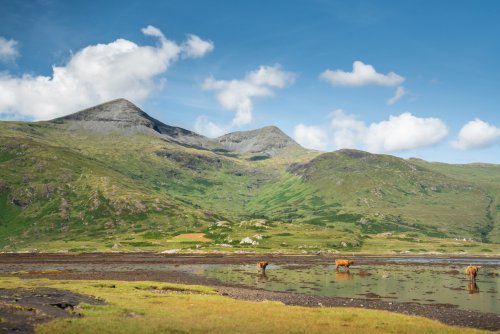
pixel 421 280
pixel 445 284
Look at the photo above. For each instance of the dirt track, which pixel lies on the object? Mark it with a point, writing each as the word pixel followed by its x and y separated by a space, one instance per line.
pixel 444 313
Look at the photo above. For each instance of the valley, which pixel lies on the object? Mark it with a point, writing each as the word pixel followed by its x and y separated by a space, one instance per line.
pixel 111 178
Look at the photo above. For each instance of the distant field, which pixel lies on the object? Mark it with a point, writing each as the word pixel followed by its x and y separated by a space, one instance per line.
pixel 191 237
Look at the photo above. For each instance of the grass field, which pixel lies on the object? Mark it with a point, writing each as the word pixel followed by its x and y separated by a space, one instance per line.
pixel 191 237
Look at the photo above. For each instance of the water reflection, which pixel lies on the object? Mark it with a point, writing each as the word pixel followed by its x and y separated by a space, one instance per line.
pixel 343 275
pixel 399 283
pixel 423 282
pixel 261 277
pixel 472 287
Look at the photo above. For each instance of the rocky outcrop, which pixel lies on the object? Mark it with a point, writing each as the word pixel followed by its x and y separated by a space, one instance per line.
pixel 268 141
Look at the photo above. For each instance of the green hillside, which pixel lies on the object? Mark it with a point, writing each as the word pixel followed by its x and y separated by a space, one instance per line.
pixel 487 178
pixel 113 178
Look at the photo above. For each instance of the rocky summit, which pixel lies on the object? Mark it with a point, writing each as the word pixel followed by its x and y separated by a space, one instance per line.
pixel 268 140
pixel 123 116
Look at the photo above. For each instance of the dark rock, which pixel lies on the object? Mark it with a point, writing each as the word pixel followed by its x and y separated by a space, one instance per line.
pixel 22 309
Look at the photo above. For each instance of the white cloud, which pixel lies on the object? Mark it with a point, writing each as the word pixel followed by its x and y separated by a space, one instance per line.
pixel 153 31
pixel 476 134
pixel 398 133
pixel 94 74
pixel 398 94
pixel 210 129
pixel 8 49
pixel 347 130
pixel 195 47
pixel 404 132
pixel 237 95
pixel 361 75
pixel 312 137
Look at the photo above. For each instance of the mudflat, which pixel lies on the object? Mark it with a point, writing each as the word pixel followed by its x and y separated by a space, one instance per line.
pixel 120 266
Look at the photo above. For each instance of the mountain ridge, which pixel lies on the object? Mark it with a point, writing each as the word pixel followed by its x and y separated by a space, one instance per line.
pixel 121 115
pixel 62 186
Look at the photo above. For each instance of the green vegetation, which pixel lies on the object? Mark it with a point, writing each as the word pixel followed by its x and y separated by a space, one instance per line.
pixel 64 187
pixel 147 307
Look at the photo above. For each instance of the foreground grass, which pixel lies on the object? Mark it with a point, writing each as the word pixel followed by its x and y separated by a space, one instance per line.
pixel 153 307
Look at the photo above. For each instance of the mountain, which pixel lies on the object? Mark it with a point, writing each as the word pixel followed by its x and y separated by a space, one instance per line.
pixel 112 177
pixel 268 141
pixel 390 193
pixel 123 116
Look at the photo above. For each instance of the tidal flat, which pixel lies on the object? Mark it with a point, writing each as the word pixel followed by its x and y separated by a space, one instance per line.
pixel 432 287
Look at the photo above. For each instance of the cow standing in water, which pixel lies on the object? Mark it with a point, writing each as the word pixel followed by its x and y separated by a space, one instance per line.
pixel 472 272
pixel 261 267
pixel 343 263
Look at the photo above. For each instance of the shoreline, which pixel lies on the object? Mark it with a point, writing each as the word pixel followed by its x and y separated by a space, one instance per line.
pixel 167 255
pixel 447 314
pixel 175 252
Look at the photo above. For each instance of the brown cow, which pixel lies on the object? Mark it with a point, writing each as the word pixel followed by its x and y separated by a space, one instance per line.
pixel 471 272
pixel 261 266
pixel 343 263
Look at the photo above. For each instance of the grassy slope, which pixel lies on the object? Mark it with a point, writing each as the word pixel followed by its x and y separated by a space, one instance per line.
pixel 88 191
pixel 69 194
pixel 487 177
pixel 377 194
pixel 135 308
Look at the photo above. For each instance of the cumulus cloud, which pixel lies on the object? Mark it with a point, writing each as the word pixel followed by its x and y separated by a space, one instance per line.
pixel 476 134
pixel 238 95
pixel 404 132
pixel 312 137
pixel 8 49
pixel 153 31
pixel 398 133
pixel 92 75
pixel 195 47
pixel 208 128
pixel 361 75
pixel 348 131
pixel 398 94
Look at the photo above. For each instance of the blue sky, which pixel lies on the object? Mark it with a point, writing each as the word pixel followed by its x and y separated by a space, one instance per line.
pixel 239 65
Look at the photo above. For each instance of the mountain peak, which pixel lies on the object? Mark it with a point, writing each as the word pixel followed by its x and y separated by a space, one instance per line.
pixel 119 110
pixel 268 140
pixel 123 116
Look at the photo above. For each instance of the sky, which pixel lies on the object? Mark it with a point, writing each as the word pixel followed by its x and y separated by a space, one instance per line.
pixel 406 78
